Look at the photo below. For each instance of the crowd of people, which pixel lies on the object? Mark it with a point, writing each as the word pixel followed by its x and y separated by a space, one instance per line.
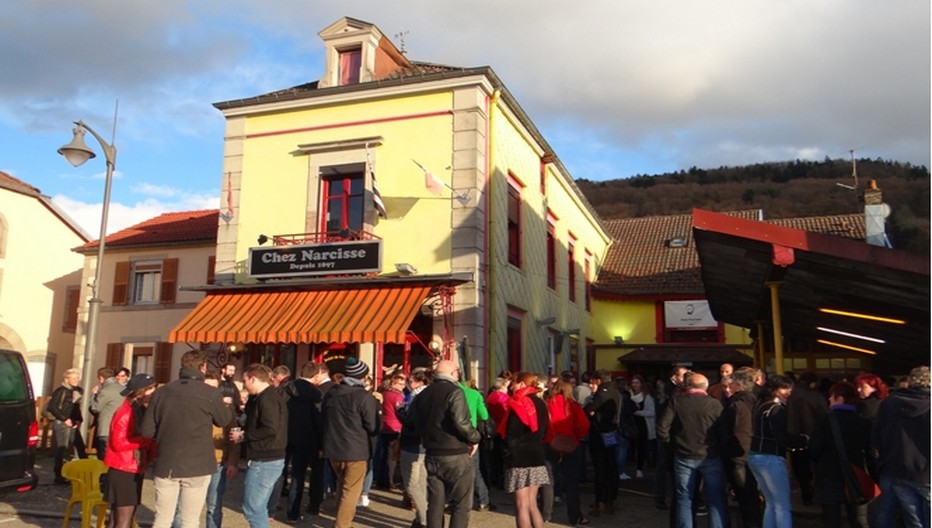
pixel 443 444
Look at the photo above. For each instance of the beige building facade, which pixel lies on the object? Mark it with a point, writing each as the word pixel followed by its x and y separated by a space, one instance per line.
pixel 39 281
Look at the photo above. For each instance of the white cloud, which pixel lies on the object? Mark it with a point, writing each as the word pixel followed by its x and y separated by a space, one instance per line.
pixel 120 215
pixel 619 86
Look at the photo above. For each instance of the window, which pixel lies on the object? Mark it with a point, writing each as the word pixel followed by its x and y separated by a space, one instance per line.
pixel 514 222
pixel 514 340
pixel 587 272
pixel 571 268
pixel 145 282
pixel 72 302
pixel 551 251
pixel 143 360
pixel 344 194
pixel 350 63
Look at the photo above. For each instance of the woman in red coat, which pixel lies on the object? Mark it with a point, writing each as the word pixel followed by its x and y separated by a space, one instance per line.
pixel 128 453
pixel 568 426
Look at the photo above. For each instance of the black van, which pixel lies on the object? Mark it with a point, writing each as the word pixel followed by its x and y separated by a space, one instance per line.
pixel 19 430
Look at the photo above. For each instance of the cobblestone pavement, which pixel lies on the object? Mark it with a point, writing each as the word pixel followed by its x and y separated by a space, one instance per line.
pixel 44 508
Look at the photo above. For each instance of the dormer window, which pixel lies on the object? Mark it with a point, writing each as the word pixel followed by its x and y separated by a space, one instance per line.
pixel 350 64
pixel 357 52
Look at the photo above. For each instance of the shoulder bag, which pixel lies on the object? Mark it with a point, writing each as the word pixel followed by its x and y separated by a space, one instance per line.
pixel 860 488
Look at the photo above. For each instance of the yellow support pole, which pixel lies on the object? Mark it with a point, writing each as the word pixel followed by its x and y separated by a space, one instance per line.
pixel 777 325
pixel 759 348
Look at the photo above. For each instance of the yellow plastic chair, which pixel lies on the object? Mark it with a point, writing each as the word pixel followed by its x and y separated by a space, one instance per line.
pixel 84 475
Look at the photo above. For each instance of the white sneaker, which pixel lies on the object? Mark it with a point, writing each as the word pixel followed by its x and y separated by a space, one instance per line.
pixel 639 474
pixel 624 476
pixel 363 501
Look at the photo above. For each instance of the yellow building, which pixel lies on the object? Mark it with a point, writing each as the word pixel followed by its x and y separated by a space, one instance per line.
pixel 485 250
pixel 39 281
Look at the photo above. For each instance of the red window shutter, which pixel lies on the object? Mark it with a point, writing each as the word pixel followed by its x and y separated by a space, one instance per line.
pixel 114 355
pixel 121 283
pixel 169 281
pixel 72 301
pixel 211 264
pixel 163 362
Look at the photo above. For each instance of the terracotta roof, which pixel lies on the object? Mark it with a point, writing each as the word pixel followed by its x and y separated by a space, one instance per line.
pixel 184 227
pixel 848 226
pixel 644 260
pixel 17 185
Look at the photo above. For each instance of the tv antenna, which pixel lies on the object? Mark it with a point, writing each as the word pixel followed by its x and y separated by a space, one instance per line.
pixel 854 176
pixel 400 37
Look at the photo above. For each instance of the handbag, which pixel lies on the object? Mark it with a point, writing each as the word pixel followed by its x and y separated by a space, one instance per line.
pixel 609 439
pixel 564 444
pixel 860 488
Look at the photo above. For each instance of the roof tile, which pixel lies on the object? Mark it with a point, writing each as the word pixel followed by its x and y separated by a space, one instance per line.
pixel 165 229
pixel 641 261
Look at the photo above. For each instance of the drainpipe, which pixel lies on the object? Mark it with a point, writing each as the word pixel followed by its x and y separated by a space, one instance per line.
pixel 488 268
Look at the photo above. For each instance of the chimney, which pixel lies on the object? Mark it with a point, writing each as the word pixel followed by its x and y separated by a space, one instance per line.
pixel 875 215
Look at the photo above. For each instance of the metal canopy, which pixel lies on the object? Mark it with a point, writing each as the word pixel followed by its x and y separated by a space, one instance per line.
pixel 740 257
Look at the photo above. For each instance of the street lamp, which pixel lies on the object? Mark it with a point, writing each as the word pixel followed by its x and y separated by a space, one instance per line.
pixel 77 153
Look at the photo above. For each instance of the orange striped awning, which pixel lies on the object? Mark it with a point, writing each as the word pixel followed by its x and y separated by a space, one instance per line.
pixel 362 315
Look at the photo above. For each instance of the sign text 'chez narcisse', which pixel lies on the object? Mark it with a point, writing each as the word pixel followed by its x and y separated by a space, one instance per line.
pixel 316 259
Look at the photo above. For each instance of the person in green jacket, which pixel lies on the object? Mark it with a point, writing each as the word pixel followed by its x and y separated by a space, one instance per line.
pixel 477 412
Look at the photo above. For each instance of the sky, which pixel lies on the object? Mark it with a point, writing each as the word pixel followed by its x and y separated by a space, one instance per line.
pixel 617 87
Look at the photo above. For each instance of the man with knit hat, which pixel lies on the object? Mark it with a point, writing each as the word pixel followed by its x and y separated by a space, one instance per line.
pixel 350 417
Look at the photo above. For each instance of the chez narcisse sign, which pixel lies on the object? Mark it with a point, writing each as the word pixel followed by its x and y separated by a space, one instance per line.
pixel 335 258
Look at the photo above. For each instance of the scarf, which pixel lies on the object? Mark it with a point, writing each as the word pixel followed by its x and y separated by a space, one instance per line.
pixel 521 405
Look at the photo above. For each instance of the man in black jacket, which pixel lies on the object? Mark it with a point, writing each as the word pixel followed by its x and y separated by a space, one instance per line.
pixel 901 434
pixel 303 437
pixel 804 406
pixel 690 425
pixel 321 472
pixel 350 417
pixel 64 405
pixel 266 436
pixel 180 418
pixel 441 416
pixel 603 410
pixel 737 430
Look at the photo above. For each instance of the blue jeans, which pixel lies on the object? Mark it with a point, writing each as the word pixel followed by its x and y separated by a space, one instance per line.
pixel 621 452
pixel 911 497
pixel 686 472
pixel 261 476
pixel 481 490
pixel 367 484
pixel 218 484
pixel 774 482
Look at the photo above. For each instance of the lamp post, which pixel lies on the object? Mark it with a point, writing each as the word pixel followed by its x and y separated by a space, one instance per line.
pixel 77 153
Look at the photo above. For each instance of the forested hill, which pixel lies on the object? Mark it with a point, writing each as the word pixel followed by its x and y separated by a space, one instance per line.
pixel 781 190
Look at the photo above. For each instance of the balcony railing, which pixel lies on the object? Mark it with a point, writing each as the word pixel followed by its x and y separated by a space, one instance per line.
pixel 343 235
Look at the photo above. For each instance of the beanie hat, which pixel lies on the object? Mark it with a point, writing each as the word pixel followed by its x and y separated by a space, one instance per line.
pixel 356 368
